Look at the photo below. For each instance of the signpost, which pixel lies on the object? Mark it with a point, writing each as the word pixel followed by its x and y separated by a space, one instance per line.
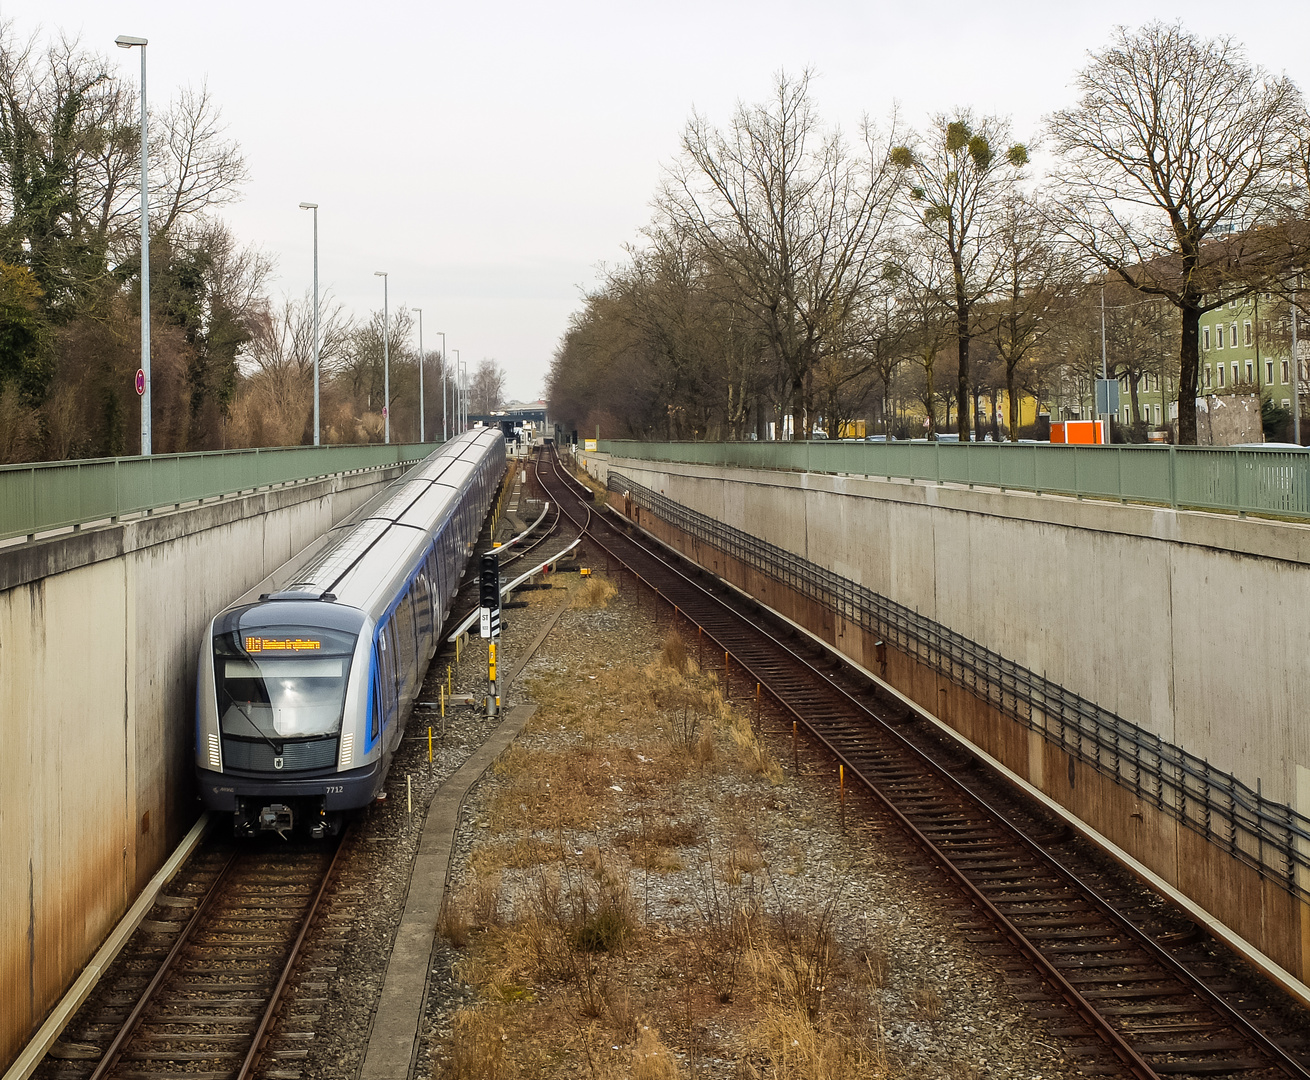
pixel 489 620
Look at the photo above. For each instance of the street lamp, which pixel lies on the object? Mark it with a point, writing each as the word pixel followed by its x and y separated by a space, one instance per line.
pixel 123 41
pixel 458 392
pixel 314 206
pixel 445 433
pixel 386 361
pixel 422 430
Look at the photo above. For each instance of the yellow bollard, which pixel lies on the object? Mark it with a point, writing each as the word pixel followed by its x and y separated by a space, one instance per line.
pixel 430 740
pixel 841 773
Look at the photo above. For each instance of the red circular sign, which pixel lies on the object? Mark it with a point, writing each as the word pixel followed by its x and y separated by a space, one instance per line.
pixel 384 410
pixel 140 381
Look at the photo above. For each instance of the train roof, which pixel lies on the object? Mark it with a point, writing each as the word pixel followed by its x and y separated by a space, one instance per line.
pixel 391 529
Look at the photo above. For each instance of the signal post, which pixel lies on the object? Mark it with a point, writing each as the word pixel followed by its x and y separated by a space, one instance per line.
pixel 489 622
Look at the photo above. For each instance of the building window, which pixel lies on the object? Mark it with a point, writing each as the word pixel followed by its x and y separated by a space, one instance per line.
pixel 1157 414
pixel 1285 373
pixel 1287 403
pixel 1250 375
pixel 1207 374
pixel 1220 369
pixel 1246 332
pixel 1232 335
pixel 1205 338
pixel 1219 336
pixel 1234 372
pixel 1269 372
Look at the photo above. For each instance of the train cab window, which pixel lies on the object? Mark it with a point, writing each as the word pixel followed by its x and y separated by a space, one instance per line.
pixel 282 682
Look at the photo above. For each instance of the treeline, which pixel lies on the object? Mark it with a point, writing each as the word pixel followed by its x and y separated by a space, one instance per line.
pixel 922 278
pixel 229 366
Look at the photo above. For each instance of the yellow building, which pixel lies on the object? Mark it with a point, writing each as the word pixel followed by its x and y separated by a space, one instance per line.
pixel 1029 407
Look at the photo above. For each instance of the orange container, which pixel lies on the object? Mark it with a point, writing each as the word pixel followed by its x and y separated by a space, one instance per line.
pixel 1079 432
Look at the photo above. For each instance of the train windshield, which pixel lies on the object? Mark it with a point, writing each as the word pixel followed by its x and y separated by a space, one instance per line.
pixel 282 682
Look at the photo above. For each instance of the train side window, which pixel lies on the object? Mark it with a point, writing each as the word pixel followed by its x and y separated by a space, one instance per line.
pixel 376 725
pixel 387 640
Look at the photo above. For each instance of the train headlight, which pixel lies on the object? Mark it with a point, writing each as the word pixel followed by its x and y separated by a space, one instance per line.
pixel 215 758
pixel 347 749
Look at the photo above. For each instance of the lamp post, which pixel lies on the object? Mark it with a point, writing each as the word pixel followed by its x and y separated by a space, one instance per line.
pixel 386 361
pixel 123 41
pixel 421 428
pixel 314 206
pixel 445 433
pixel 459 395
pixel 1296 377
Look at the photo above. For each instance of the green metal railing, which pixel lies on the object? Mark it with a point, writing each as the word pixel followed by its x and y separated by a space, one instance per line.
pixel 58 494
pixel 1211 478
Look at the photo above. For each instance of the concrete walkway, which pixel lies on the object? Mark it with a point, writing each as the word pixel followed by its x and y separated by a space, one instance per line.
pixel 395 1025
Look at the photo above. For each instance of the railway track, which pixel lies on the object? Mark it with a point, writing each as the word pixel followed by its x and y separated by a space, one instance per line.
pixel 1124 997
pixel 199 999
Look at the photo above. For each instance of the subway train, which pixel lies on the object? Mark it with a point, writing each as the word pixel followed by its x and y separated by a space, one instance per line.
pixel 303 690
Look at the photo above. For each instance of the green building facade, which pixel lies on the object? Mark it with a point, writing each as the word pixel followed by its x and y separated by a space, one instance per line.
pixel 1245 348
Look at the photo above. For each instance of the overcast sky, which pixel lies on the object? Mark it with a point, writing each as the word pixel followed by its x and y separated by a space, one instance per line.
pixel 490 156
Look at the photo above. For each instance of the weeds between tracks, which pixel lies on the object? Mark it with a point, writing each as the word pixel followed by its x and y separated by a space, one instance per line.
pixel 625 912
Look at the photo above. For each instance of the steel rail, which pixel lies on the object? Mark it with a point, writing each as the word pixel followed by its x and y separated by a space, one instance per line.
pixel 510 543
pixel 1069 993
pixel 546 535
pixel 259 1038
pixel 472 617
pixel 1010 931
pixel 133 1019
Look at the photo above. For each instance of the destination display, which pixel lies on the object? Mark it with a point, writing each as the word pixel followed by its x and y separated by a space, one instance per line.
pixel 290 644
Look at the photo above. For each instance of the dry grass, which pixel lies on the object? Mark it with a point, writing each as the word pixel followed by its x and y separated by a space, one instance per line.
pixel 572 977
pixel 518 853
pixel 928 1000
pixel 547 597
pixel 651 1059
pixel 591 593
pixel 674 653
pixel 785 1045
pixel 477 1047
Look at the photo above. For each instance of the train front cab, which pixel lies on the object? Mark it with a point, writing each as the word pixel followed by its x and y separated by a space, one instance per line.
pixel 277 679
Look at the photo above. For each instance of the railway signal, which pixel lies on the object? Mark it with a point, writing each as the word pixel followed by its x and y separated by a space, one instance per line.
pixel 489 602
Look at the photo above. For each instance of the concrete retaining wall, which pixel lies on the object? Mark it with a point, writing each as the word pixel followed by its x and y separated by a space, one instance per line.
pixel 1192 626
pixel 99 635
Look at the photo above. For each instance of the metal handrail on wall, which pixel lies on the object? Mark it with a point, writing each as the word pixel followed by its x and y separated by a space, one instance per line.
pixel 1270 837
pixel 42 496
pixel 1222 478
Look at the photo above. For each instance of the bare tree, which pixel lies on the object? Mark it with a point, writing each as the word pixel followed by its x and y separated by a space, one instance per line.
pixel 929 321
pixel 960 181
pixel 887 327
pixel 279 359
pixel 486 388
pixel 196 167
pixel 1035 278
pixel 783 209
pixel 1176 141
pixel 361 373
